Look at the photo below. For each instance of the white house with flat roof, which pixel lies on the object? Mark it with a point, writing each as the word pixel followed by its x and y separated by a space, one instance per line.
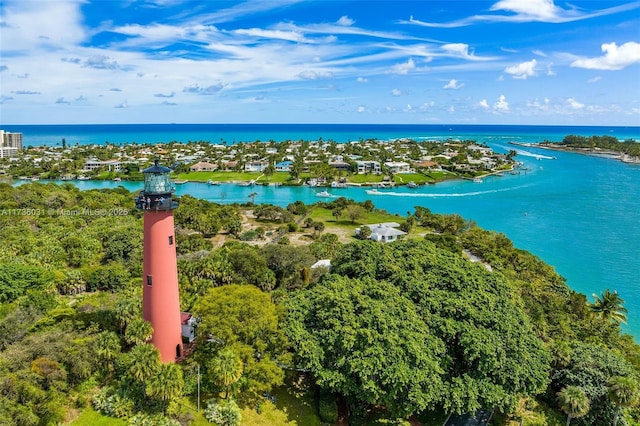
pixel 397 167
pixel 384 232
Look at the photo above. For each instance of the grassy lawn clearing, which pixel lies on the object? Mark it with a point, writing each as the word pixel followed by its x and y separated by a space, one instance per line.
pixel 365 178
pixel 324 215
pixel 90 417
pixel 217 176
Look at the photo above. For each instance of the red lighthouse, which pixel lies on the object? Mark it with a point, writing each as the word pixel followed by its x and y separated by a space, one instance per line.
pixel 160 297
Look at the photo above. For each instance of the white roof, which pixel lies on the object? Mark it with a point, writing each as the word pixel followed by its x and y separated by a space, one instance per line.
pixel 387 232
pixel 373 226
pixel 322 263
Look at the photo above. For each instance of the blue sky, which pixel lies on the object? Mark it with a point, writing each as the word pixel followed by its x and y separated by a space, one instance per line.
pixel 289 61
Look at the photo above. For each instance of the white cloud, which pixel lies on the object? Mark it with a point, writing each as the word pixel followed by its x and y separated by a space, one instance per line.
pixel 208 90
pixel 362 80
pixel 539 52
pixel 345 21
pixel 550 72
pixel 259 33
pixel 526 11
pixel 408 108
pixel 29 25
pixel 522 70
pixel 461 50
pixel 314 75
pixel 404 68
pixel 453 84
pixel 501 104
pixel 539 106
pixel 101 62
pixel 483 104
pixel 361 109
pixel 425 106
pixel 615 57
pixel 533 10
pixel 396 92
pixel 575 104
pixel 594 79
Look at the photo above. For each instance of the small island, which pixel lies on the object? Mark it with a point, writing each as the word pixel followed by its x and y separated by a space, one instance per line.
pixel 601 146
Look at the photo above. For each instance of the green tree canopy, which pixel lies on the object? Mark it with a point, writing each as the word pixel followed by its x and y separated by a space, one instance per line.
pixel 244 319
pixel 491 352
pixel 592 368
pixel 363 339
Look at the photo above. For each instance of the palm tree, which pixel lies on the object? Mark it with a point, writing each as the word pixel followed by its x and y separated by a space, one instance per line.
pixel 125 310
pixel 226 369
pixel 166 384
pixel 574 402
pixel 145 360
pixel 609 306
pixel 138 331
pixel 622 392
pixel 107 348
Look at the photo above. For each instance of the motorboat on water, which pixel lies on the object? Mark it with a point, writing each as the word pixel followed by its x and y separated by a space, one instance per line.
pixel 324 193
pixel 412 184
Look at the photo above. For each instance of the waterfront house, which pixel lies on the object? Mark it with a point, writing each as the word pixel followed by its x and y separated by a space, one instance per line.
pixel 397 167
pixel 368 166
pixel 229 165
pixel 283 166
pixel 256 165
pixel 110 165
pixel 340 166
pixel 203 166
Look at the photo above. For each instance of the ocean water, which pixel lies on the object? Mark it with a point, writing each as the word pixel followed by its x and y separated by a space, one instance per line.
pixel 38 135
pixel 578 213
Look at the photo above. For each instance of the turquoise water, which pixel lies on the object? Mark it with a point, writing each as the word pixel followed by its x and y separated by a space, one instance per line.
pixel 577 213
pixel 37 135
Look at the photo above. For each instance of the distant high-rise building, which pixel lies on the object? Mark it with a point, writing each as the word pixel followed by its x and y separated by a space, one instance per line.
pixel 10 144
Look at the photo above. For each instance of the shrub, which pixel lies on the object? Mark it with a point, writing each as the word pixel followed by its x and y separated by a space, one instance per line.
pixel 113 404
pixel 141 419
pixel 298 208
pixel 250 235
pixel 223 413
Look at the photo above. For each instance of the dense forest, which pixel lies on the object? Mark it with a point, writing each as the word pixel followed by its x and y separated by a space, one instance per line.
pixel 407 330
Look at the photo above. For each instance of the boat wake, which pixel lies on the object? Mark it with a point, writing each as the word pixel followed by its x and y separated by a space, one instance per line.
pixel 529 154
pixel 459 194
